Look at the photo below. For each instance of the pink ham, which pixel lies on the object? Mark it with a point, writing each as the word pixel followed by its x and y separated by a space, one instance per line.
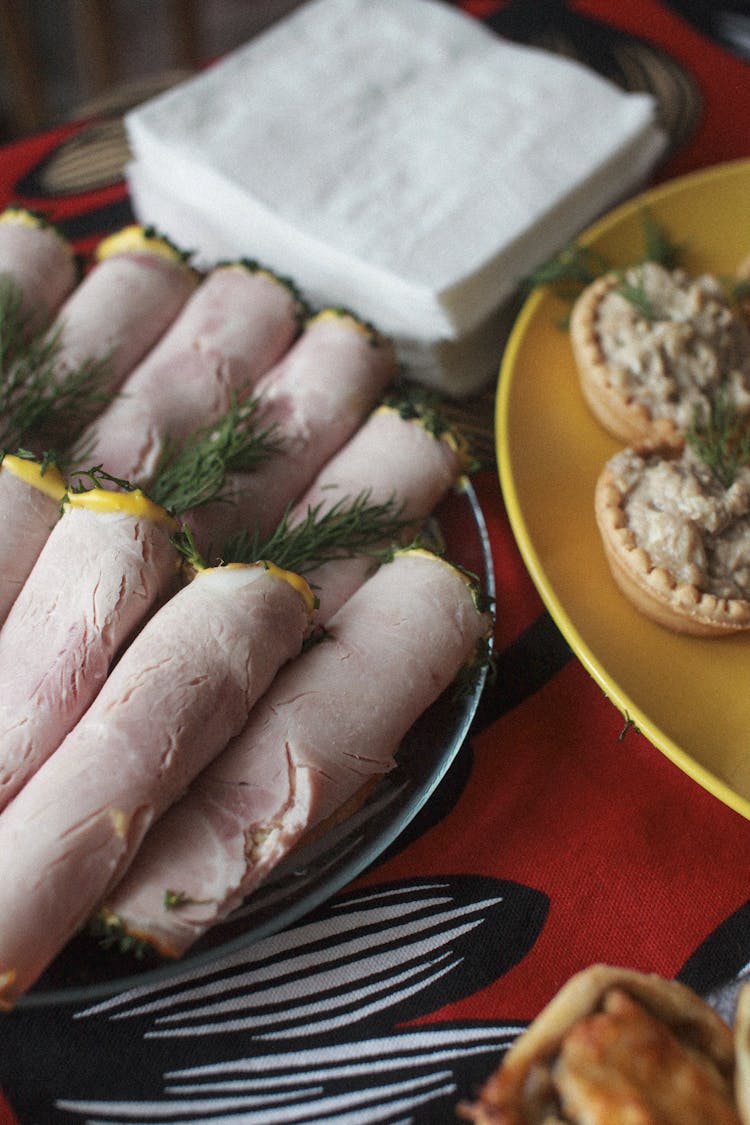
pixel 30 498
pixel 325 731
pixel 124 304
pixel 392 456
pixel 98 575
pixel 234 328
pixel 36 257
pixel 180 692
pixel 317 396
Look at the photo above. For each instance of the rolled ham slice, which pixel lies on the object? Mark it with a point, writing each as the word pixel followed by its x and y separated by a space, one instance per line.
pixel 107 562
pixel 235 327
pixel 328 727
pixel 316 397
pixel 124 304
pixel 180 692
pixel 394 455
pixel 39 260
pixel 30 495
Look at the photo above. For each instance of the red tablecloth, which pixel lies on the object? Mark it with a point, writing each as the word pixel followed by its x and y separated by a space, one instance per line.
pixel 556 840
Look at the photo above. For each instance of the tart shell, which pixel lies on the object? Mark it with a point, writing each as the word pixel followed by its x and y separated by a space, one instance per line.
pixel 622 416
pixel 654 590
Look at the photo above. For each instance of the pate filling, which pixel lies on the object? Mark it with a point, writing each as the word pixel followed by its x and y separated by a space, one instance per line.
pixel 686 520
pixel 671 350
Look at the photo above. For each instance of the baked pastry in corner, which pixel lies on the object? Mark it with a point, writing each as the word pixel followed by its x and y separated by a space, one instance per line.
pixel 615 1047
pixel 651 345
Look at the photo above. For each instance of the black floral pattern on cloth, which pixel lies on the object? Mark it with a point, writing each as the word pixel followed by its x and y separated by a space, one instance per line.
pixel 322 1023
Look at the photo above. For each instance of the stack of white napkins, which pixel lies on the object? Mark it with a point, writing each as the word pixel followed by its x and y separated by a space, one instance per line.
pixel 395 157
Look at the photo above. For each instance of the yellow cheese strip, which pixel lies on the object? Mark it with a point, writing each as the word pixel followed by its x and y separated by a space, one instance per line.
pixel 296 581
pixel 134 503
pixel 46 479
pixel 137 237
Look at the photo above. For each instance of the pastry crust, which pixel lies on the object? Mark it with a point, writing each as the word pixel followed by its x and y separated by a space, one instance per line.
pixel 656 589
pixel 644 366
pixel 742 1054
pixel 620 414
pixel 614 1045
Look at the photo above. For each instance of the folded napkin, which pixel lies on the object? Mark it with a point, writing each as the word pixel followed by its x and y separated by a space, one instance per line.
pixel 396 157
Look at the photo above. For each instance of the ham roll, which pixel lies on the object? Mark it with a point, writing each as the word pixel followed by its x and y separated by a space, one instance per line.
pixel 406 455
pixel 30 497
pixel 328 727
pixel 234 328
pixel 316 397
pixel 107 562
pixel 182 689
pixel 125 303
pixel 39 261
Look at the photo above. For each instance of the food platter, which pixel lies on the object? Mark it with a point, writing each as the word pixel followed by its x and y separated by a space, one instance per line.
pixel 311 875
pixel 689 696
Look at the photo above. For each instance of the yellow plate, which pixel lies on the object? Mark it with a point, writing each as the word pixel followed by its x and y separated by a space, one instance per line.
pixel 690 697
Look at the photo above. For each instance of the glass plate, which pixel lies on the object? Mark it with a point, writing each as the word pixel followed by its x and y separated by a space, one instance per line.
pixel 689 696
pixel 85 972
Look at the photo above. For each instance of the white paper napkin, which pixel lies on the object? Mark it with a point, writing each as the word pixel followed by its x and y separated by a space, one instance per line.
pixel 395 156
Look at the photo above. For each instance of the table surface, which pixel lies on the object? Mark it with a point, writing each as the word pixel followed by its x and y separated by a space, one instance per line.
pixel 560 837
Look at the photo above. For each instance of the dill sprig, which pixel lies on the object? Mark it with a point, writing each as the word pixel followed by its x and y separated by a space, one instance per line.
pixel 573 268
pixel 195 472
pixel 85 480
pixel 14 329
pixel 109 932
pixel 659 246
pixel 636 294
pixel 40 403
pixel 349 528
pixel 720 438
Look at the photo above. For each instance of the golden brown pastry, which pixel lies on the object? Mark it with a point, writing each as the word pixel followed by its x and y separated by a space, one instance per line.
pixel 615 1047
pixel 742 1054
pixel 677 541
pixel 653 344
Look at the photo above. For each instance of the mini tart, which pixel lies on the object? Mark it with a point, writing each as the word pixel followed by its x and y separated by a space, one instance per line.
pixel 643 375
pixel 615 1045
pixel 663 591
pixel 742 1053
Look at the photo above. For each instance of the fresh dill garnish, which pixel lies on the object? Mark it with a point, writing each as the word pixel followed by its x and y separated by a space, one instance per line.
pixel 659 246
pixel 107 929
pixel 173 900
pixel 573 268
pixel 720 438
pixel 42 402
pixel 636 294
pixel 630 724
pixel 14 328
pixel 349 528
pixel 184 543
pixel 97 477
pixel 194 472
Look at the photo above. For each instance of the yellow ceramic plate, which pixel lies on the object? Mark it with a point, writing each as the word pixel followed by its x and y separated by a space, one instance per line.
pixel 690 697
